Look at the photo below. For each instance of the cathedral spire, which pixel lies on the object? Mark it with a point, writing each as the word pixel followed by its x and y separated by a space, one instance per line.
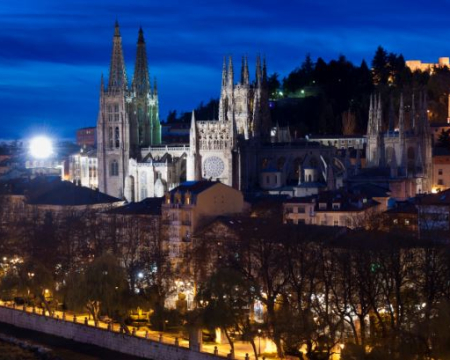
pixel 117 73
pixel 193 135
pixel 224 73
pixel 230 76
pixel 244 71
pixel 264 71
pixel 370 125
pixel 102 85
pixel 141 83
pixel 258 71
pixel 379 119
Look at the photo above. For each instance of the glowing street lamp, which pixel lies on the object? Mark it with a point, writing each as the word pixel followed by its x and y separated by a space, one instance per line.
pixel 259 341
pixel 41 147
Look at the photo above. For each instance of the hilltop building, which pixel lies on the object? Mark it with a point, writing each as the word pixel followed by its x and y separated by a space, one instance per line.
pixel 415 65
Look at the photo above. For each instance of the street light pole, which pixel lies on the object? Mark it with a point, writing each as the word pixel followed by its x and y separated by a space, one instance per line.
pixel 259 342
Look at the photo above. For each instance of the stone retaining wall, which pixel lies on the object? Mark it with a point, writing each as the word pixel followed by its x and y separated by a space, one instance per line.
pixel 126 344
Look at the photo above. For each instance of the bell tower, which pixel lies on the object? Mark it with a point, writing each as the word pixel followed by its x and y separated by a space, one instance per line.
pixel 113 137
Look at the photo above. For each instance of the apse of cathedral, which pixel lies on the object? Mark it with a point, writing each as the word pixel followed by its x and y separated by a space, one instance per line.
pixel 403 151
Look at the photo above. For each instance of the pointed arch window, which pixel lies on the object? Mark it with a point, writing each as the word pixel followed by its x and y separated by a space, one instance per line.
pixel 110 137
pixel 143 185
pixel 114 168
pixel 117 137
pixel 109 112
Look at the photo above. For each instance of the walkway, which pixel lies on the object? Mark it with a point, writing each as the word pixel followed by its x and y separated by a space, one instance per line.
pixel 241 348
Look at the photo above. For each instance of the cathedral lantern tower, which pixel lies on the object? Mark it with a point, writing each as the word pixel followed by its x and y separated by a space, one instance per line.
pixel 246 103
pixel 113 137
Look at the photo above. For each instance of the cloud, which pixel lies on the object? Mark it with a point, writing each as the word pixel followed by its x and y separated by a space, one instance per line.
pixel 53 52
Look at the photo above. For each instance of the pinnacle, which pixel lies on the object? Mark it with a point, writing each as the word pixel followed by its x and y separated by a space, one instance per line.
pixel 141 36
pixel 116 29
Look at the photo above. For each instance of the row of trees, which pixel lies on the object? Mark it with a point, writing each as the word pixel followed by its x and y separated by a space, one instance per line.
pixel 375 294
pixel 378 294
pixel 100 261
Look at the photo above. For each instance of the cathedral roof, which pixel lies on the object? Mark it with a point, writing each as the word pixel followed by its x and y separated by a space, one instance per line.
pixel 149 206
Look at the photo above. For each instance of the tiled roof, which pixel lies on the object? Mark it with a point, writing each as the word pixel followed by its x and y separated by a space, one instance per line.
pixel 149 206
pixel 441 198
pixel 51 190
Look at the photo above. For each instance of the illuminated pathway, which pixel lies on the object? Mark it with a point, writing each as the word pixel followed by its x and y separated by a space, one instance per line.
pixel 241 348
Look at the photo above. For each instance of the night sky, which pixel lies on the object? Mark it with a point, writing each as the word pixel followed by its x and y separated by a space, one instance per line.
pixel 53 52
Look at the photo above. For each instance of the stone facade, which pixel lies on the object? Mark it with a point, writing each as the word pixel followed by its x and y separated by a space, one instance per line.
pixel 128 117
pixel 232 149
pixel 405 150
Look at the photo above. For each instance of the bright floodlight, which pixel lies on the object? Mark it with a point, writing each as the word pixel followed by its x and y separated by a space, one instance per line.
pixel 41 147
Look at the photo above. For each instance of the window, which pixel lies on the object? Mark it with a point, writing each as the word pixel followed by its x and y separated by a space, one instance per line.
pixel 114 170
pixel 143 184
pixel 116 108
pixel 301 209
pixel 117 137
pixel 440 182
pixel 267 179
pixel 395 221
pixel 406 221
pixel 440 172
pixel 110 136
pixel 336 223
pixel 336 206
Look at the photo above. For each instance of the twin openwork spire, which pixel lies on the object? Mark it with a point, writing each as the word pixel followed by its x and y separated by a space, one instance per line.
pixel 117 72
pixel 118 81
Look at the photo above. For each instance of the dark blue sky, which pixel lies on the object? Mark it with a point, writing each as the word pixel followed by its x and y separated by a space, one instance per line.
pixel 53 51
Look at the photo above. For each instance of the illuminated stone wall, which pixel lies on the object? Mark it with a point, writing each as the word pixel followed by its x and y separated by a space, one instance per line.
pixel 126 344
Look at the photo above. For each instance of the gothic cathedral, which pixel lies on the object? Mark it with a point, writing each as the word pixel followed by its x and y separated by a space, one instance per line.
pixel 133 164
